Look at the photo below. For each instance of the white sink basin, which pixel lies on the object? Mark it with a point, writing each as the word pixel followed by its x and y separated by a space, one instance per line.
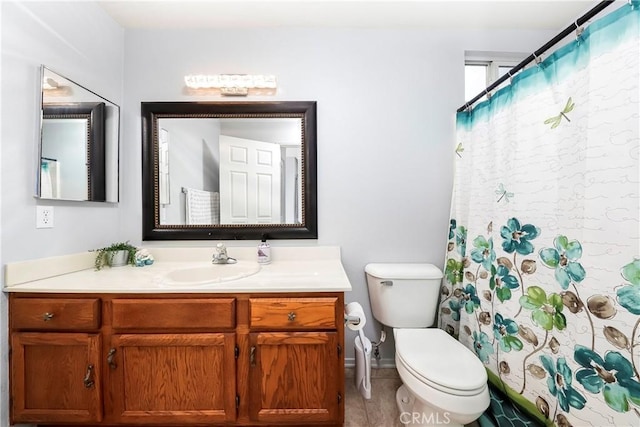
pixel 212 273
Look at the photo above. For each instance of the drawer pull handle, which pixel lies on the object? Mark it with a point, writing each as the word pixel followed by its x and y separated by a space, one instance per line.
pixel 291 316
pixel 110 358
pixel 88 381
pixel 47 316
pixel 252 356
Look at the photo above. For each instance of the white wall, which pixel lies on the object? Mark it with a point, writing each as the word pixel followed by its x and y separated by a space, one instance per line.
pixel 386 111
pixel 81 42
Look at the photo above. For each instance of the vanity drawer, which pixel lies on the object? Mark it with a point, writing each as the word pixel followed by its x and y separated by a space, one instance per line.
pixel 55 313
pixel 295 313
pixel 179 314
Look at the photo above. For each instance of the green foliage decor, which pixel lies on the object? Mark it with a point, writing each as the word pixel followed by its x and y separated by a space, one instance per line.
pixel 104 256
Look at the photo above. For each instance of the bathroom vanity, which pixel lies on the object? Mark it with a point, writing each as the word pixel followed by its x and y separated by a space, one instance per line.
pixel 265 349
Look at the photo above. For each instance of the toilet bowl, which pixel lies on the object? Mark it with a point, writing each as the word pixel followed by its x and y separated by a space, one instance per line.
pixel 444 383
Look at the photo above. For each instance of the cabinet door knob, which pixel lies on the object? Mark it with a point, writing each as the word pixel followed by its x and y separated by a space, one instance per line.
pixel 88 381
pixel 291 316
pixel 110 358
pixel 47 316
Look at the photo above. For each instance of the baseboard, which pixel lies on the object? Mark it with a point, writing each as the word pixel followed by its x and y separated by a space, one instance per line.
pixel 350 362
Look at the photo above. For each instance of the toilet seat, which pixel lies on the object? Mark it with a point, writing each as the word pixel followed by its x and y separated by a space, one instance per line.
pixel 438 360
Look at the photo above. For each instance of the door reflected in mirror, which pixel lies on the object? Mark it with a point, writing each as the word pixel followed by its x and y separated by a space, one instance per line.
pixel 229 170
pixel 78 147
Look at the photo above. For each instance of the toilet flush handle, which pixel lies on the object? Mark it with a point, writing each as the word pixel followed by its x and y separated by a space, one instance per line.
pixel 387 282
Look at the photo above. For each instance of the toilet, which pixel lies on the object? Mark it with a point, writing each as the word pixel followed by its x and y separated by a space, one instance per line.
pixel 444 383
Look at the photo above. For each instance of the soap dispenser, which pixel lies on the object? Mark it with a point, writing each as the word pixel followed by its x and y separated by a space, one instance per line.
pixel 264 252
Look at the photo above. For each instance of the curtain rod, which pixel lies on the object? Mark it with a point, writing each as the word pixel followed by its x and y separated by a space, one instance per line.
pixel 535 55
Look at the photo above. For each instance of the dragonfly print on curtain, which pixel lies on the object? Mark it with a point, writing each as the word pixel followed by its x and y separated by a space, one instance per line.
pixel 542 276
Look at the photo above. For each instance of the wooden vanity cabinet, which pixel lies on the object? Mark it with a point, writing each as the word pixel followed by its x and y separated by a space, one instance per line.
pixel 294 377
pixel 55 352
pixel 172 360
pixel 173 378
pixel 188 359
pixel 295 359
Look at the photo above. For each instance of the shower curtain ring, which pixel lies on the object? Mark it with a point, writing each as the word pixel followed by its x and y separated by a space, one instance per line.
pixel 486 92
pixel 510 76
pixel 579 30
pixel 537 58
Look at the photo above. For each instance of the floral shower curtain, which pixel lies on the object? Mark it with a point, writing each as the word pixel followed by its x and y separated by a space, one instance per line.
pixel 542 277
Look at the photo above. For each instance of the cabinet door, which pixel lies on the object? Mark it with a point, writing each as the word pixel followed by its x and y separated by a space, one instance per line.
pixel 294 377
pixel 173 378
pixel 55 377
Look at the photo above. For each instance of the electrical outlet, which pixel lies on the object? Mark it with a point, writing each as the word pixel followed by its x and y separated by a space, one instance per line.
pixel 44 216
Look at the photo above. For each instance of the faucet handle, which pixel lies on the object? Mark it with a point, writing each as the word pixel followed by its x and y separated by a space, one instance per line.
pixel 220 257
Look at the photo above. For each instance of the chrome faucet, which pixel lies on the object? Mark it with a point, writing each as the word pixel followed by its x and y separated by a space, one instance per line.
pixel 221 257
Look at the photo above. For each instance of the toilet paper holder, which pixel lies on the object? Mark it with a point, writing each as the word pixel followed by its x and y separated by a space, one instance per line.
pixel 354 320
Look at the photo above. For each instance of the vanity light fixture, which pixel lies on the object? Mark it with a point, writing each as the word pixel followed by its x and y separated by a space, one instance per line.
pixel 231 84
pixel 49 84
pixel 54 89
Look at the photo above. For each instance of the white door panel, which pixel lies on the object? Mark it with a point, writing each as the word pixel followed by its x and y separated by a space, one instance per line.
pixel 250 181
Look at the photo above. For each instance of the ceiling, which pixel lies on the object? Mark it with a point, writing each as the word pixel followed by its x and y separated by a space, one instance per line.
pixel 469 14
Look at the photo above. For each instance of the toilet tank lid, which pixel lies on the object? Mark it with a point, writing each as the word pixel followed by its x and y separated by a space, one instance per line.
pixel 403 270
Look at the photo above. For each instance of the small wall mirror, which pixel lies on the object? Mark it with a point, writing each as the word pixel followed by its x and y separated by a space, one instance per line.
pixel 229 170
pixel 78 150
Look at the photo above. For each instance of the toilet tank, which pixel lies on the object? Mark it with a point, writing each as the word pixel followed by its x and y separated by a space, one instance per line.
pixel 404 295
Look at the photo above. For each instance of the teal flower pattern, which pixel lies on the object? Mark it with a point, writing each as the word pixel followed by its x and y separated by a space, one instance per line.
pixel 517 238
pixel 546 311
pixel 560 385
pixel 613 376
pixel 483 252
pixel 455 307
pixel 602 380
pixel 563 257
pixel 461 240
pixel 502 282
pixel 482 346
pixel 470 297
pixel 505 331
pixel 629 295
pixel 452 227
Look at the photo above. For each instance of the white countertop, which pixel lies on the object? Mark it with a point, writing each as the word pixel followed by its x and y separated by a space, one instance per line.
pixel 304 269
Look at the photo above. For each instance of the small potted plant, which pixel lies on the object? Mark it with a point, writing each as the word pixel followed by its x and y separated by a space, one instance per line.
pixel 115 255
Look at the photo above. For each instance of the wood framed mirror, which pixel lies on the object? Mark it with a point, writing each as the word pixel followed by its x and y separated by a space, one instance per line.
pixel 229 170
